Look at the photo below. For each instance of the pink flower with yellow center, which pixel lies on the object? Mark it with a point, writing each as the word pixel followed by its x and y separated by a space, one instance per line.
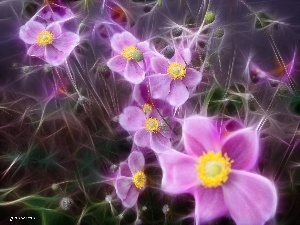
pixel 147 126
pixel 131 179
pixel 49 43
pixel 215 168
pixel 132 59
pixel 173 79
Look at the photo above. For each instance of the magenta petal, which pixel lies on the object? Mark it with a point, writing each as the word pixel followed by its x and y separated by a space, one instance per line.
pixel 132 118
pixel 209 204
pixel 251 199
pixel 142 138
pixel 192 78
pixel 117 64
pixel 124 170
pixel 178 93
pixel 55 29
pixel 122 185
pixel 200 135
pixel 29 32
pixel 131 197
pixel 242 146
pixel 160 65
pixel 179 172
pixel 159 85
pixel 66 42
pixel 133 72
pixel 159 143
pixel 136 162
pixel 122 40
pixel 53 56
pixel 36 50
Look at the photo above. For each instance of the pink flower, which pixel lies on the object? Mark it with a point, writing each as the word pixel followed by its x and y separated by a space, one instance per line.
pixel 49 43
pixel 215 169
pixel 131 179
pixel 132 57
pixel 147 126
pixel 172 77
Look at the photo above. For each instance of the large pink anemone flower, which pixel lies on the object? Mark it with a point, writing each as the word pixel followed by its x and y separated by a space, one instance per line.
pixel 215 168
pixel 131 179
pixel 49 43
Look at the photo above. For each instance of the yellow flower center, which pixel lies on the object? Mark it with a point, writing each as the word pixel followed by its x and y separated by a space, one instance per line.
pixel 213 169
pixel 147 108
pixel 44 38
pixel 176 71
pixel 152 125
pixel 129 52
pixel 139 179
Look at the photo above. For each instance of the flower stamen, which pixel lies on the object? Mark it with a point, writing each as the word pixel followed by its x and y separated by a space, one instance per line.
pixel 132 53
pixel 152 125
pixel 147 108
pixel 213 169
pixel 44 38
pixel 139 179
pixel 176 71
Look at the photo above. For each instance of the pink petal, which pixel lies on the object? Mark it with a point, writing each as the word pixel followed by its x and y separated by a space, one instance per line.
pixel 133 72
pixel 122 40
pixel 178 93
pixel 131 197
pixel 124 170
pixel 192 78
pixel 159 143
pixel 136 162
pixel 209 204
pixel 183 56
pixel 159 85
pixel 55 29
pixel 53 56
pixel 117 64
pixel 160 65
pixel 251 199
pixel 29 32
pixel 142 138
pixel 140 93
pixel 36 50
pixel 66 42
pixel 122 186
pixel 242 146
pixel 132 118
pixel 143 46
pixel 200 135
pixel 179 172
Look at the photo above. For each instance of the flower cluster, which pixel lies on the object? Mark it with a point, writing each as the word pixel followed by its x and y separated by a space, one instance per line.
pixel 215 164
pixel 166 92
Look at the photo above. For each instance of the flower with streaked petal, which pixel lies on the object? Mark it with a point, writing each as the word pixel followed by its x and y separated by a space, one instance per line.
pixel 50 43
pixel 131 179
pixel 215 168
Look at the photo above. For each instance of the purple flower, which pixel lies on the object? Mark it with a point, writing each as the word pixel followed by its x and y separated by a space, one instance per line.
pixel 215 169
pixel 50 43
pixel 132 57
pixel 131 179
pixel 147 126
pixel 172 77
